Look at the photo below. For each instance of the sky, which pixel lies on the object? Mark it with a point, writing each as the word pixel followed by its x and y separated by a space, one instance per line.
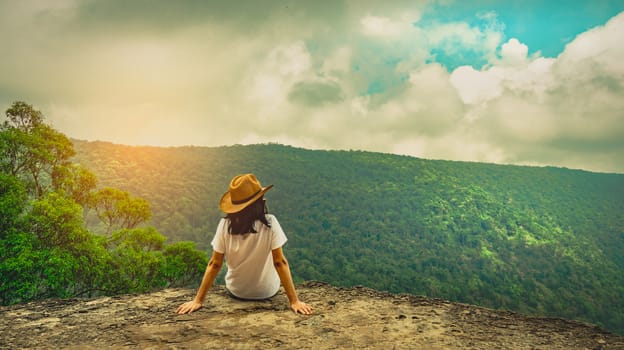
pixel 511 82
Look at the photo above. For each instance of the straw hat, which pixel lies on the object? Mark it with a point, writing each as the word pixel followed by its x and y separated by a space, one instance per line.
pixel 244 190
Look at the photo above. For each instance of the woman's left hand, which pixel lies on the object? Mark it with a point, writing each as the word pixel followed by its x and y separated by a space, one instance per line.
pixel 299 307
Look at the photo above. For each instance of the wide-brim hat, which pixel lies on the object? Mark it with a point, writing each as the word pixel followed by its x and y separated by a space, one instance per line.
pixel 244 190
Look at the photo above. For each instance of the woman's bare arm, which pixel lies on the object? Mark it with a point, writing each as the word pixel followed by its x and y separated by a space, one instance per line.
pixel 212 270
pixel 283 270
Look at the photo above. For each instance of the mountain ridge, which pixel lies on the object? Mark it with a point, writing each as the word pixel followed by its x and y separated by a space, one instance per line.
pixel 537 166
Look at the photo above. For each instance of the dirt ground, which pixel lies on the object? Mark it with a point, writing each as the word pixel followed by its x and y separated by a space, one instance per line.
pixel 344 318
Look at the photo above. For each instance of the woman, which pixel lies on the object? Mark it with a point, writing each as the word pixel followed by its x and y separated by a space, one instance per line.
pixel 252 241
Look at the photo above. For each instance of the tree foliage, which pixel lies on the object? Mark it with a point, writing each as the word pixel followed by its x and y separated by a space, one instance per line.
pixel 117 209
pixel 45 248
pixel 76 182
pixel 32 150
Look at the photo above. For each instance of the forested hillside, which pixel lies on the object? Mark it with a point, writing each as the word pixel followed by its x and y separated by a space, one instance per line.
pixel 545 241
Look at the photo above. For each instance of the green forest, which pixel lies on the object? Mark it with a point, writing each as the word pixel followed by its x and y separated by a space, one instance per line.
pixel 46 251
pixel 539 240
pixel 86 218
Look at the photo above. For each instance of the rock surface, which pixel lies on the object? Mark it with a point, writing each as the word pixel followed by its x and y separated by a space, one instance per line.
pixel 352 318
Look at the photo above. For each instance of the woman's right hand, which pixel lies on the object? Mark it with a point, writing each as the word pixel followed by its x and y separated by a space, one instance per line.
pixel 300 307
pixel 189 307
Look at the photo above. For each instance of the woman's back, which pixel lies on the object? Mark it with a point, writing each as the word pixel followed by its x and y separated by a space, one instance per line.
pixel 251 274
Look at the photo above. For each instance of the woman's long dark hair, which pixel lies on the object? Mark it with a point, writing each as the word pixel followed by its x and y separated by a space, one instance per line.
pixel 243 221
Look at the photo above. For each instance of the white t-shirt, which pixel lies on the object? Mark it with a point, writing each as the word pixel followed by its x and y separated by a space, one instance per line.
pixel 250 274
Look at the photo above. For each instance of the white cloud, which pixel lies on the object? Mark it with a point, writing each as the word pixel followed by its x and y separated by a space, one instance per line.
pixel 602 45
pixel 514 52
pixel 476 86
pixel 513 71
pixel 598 50
pixel 385 27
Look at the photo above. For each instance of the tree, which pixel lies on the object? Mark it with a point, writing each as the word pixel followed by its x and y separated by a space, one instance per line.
pixel 117 209
pixel 133 211
pixel 184 264
pixel 76 182
pixel 137 259
pixel 146 239
pixel 23 116
pixel 19 265
pixel 57 221
pixel 39 245
pixel 12 203
pixel 31 149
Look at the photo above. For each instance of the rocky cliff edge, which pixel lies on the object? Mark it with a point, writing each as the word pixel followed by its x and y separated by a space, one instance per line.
pixel 345 318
